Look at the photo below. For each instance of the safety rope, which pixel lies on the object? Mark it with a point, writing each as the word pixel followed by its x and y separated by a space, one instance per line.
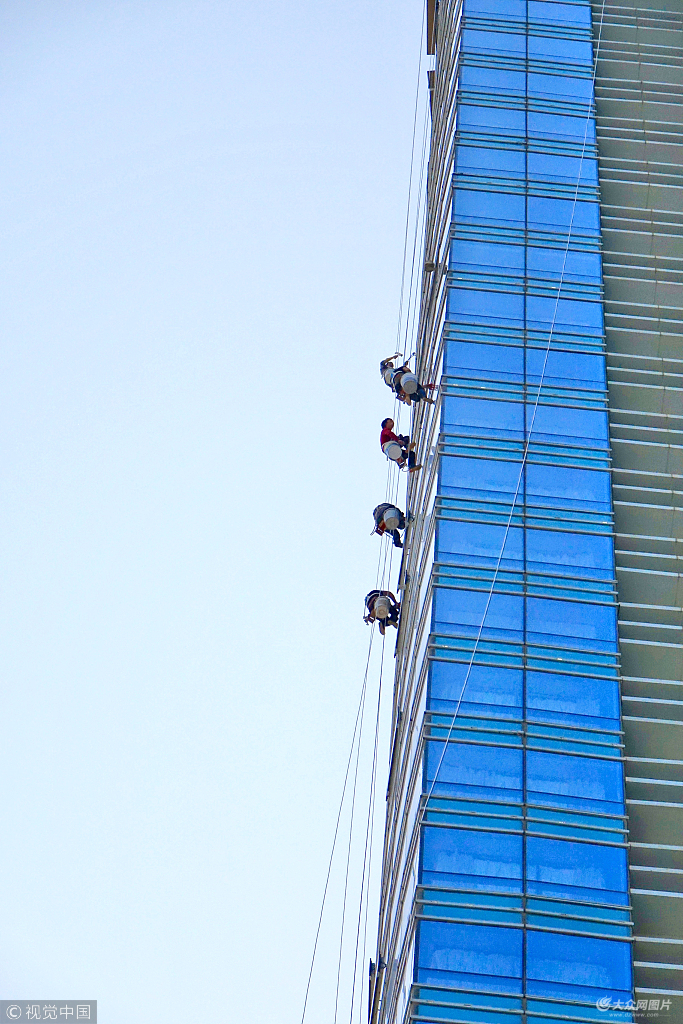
pixel 384 567
pixel 367 853
pixel 361 704
pixel 410 185
pixel 348 863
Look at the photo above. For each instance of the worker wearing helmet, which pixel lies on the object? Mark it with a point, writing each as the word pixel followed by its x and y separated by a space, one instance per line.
pixel 383 608
pixel 403 382
pixel 389 519
pixel 397 447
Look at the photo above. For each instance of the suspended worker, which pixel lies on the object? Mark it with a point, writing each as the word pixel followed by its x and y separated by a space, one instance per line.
pixel 403 382
pixel 389 519
pixel 383 608
pixel 397 447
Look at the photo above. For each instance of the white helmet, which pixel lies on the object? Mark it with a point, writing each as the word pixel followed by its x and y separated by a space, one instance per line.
pixel 382 607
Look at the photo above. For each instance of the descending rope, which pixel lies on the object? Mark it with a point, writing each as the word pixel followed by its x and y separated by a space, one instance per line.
pixel 410 185
pixel 384 567
pixel 367 855
pixel 420 218
pixel 336 828
pixel 348 862
pixel 530 431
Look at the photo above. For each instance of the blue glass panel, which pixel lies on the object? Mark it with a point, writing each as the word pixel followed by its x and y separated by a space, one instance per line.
pixel 573 967
pixel 483 417
pixel 487 255
pixel 491 362
pixel 580 783
pixel 461 612
pixel 570 51
pixel 490 162
pixel 470 956
pixel 572 619
pixel 485 688
pixel 514 9
pixel 560 126
pixel 563 213
pixel 493 80
pixel 548 167
pixel 493 42
pixel 567 369
pixel 542 312
pixel 553 697
pixel 567 265
pixel 487 860
pixel 469 305
pixel 473 206
pixel 480 544
pixel 573 554
pixel 479 477
pixel 503 120
pixel 576 871
pixel 560 85
pixel 572 14
pixel 569 488
pixel 489 773
pixel 550 422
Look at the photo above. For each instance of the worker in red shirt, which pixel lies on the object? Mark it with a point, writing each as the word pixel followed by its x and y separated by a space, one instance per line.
pixel 397 447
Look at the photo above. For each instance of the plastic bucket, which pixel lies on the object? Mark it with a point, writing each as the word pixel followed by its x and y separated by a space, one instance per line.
pixel 409 383
pixel 392 518
pixel 393 451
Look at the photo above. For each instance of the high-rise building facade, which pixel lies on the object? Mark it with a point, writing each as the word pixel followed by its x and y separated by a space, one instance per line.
pixel 533 861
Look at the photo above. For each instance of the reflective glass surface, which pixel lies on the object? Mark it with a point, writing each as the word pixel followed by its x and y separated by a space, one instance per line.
pixel 471 956
pixel 494 42
pixel 560 86
pixel 496 80
pixel 475 772
pixel 570 51
pixel 523 645
pixel 581 783
pixel 576 870
pixel 476 689
pixel 490 162
pixel 564 169
pixel 472 860
pixel 573 967
pixel 572 14
pixel 479 207
pixel 563 213
pixel 500 119
pixel 515 9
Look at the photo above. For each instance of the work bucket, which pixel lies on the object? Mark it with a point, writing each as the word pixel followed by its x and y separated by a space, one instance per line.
pixel 392 517
pixel 409 383
pixel 393 451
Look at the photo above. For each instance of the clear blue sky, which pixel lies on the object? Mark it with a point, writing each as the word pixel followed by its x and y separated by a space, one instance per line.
pixel 203 209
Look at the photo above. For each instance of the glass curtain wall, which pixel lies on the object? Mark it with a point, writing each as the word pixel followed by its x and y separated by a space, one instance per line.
pixel 505 886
